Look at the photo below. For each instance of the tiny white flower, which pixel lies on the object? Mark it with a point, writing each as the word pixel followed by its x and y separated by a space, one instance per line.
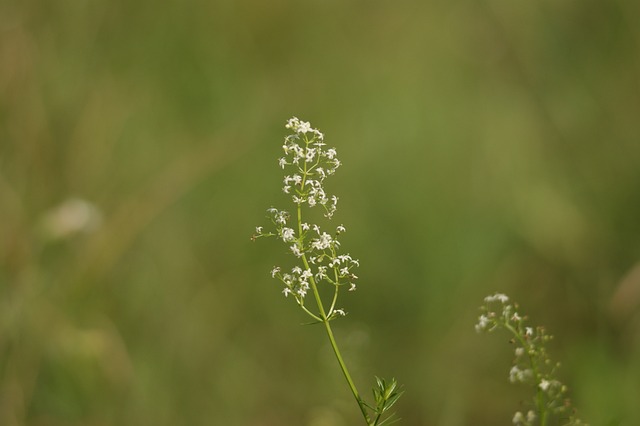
pixel 531 416
pixel 544 384
pixel 281 217
pixel 519 352
pixel 322 243
pixel 286 291
pixel 483 322
pixel 282 162
pixel 498 297
pixel 340 229
pixel 311 153
pixel 296 251
pixel 528 331
pixel 513 374
pixel 292 122
pixel 518 418
pixel 352 287
pixel 322 273
pixel 288 235
pixel 305 226
pixel 259 230
pixel 275 271
pixel 304 127
pixel 518 375
pixel 340 312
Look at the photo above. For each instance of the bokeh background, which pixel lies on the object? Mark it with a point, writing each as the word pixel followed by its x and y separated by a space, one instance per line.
pixel 487 145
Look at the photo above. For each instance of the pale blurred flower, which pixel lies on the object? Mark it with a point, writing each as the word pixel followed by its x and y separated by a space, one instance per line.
pixel 71 217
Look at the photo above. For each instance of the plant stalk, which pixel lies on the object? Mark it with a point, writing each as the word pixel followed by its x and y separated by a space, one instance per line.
pixel 332 340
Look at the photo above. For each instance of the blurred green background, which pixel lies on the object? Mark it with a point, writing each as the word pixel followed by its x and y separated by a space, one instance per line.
pixel 487 146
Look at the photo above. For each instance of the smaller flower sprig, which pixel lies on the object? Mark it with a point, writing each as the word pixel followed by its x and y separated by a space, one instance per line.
pixel 531 365
pixel 318 260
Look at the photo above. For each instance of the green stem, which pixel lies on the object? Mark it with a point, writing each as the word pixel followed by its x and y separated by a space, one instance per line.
pixel 332 340
pixel 540 403
pixel 345 371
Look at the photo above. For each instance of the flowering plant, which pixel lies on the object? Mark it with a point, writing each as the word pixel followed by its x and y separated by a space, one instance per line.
pixel 531 365
pixel 317 252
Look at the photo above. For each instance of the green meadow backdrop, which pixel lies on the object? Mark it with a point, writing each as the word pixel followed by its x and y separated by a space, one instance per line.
pixel 489 145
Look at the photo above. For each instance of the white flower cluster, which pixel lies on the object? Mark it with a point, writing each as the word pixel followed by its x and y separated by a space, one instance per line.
pixel 319 248
pixel 315 249
pixel 531 365
pixel 304 152
pixel 519 419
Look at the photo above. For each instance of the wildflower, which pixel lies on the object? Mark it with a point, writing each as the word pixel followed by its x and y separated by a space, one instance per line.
pixel 311 153
pixel 483 322
pixel 72 217
pixel 322 243
pixel 518 418
pixel 516 374
pixel 322 273
pixel 306 274
pixel 498 297
pixel 296 250
pixel 308 163
pixel 535 369
pixel 288 235
pixel 544 384
pixel 275 271
pixel 531 416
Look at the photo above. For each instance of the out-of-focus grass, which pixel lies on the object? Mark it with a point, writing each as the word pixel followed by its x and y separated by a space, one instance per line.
pixel 486 145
